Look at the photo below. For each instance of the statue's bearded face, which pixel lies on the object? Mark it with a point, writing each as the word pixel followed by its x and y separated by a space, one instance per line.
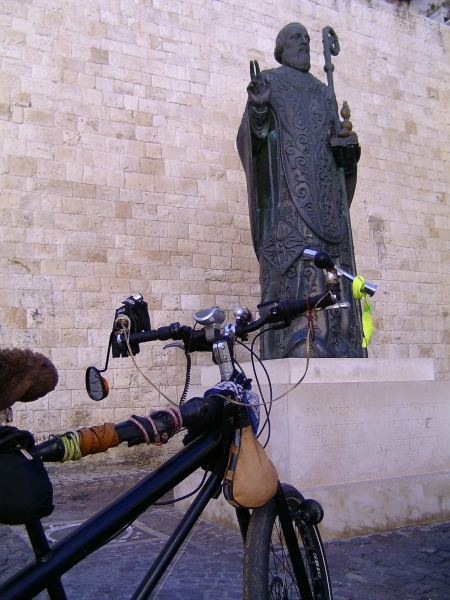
pixel 296 48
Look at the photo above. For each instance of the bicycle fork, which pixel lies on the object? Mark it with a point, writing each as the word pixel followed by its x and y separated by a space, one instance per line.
pixel 292 544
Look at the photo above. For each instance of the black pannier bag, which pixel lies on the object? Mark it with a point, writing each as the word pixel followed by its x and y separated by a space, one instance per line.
pixel 26 492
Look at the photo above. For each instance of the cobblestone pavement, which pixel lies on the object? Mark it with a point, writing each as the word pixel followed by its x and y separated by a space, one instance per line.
pixel 407 564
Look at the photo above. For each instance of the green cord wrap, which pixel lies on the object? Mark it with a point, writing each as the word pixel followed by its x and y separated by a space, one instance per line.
pixel 367 324
pixel 72 450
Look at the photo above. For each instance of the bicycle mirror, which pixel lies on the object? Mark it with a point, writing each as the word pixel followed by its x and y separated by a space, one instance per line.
pixel 96 386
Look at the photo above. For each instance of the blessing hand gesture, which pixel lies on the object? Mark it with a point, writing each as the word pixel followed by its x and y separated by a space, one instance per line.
pixel 258 89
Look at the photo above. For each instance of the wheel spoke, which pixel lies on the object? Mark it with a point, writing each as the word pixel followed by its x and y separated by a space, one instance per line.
pixel 277 580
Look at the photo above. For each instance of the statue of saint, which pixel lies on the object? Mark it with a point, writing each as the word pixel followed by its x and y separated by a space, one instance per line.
pixel 300 163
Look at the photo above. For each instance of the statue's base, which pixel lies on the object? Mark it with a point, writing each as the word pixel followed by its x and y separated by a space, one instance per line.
pixel 367 438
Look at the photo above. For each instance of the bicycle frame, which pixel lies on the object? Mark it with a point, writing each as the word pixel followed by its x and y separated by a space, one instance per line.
pixel 110 521
pixel 101 528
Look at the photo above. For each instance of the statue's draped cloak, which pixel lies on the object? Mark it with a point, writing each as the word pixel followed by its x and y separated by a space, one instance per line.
pixel 296 197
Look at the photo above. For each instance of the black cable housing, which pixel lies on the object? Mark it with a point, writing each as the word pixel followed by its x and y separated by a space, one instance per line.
pixel 187 381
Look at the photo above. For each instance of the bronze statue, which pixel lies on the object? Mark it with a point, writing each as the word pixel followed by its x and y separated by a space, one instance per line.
pixel 300 164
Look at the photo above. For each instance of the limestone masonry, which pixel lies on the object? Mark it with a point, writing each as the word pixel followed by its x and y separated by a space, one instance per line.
pixel 119 174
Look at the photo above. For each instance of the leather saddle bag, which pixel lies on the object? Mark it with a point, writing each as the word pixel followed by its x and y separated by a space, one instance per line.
pixel 251 479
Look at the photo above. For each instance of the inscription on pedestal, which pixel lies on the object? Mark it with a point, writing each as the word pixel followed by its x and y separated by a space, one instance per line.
pixel 411 407
pixel 366 437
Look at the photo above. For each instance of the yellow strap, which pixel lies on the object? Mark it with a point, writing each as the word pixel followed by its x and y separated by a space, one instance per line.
pixel 71 443
pixel 367 324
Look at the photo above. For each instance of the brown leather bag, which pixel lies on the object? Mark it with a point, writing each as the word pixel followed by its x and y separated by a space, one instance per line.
pixel 251 479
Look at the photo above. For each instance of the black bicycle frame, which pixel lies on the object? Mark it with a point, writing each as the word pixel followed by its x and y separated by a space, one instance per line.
pixel 110 521
pixel 105 525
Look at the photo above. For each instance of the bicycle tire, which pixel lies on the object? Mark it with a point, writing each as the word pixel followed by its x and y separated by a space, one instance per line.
pixel 268 573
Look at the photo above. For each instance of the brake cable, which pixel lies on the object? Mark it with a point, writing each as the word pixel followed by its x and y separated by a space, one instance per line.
pixel 122 320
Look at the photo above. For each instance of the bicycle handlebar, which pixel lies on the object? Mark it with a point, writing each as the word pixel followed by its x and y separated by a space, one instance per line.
pixel 132 327
pixel 279 314
pixel 195 341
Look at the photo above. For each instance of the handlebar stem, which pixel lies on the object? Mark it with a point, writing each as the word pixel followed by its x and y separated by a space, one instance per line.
pixel 223 356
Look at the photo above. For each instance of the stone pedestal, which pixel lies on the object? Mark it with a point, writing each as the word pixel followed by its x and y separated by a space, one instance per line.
pixel 368 438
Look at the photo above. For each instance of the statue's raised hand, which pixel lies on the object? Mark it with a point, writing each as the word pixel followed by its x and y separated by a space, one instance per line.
pixel 258 89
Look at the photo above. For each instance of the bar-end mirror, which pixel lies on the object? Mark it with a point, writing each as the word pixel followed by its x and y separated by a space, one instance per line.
pixel 96 386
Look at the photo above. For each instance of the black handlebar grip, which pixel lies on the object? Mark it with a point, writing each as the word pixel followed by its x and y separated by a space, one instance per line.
pixel 194 341
pixel 294 308
pixel 51 450
pixel 196 414
pixel 170 332
pixel 202 412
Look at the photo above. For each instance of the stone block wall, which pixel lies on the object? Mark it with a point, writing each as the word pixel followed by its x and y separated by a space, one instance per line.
pixel 119 174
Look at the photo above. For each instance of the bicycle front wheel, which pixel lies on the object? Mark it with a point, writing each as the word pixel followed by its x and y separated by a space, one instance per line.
pixel 268 572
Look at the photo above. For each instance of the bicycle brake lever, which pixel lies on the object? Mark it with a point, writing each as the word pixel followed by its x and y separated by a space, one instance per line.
pixel 343 305
pixel 175 345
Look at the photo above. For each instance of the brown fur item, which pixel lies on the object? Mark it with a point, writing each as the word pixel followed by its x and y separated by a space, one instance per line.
pixel 25 376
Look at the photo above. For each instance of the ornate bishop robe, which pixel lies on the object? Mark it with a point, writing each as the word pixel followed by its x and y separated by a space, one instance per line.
pixel 299 198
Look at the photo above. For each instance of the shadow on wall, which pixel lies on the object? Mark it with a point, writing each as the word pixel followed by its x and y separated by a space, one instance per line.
pixel 377 231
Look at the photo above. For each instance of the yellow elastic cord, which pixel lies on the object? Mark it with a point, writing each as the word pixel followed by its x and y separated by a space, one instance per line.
pixel 71 443
pixel 367 324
